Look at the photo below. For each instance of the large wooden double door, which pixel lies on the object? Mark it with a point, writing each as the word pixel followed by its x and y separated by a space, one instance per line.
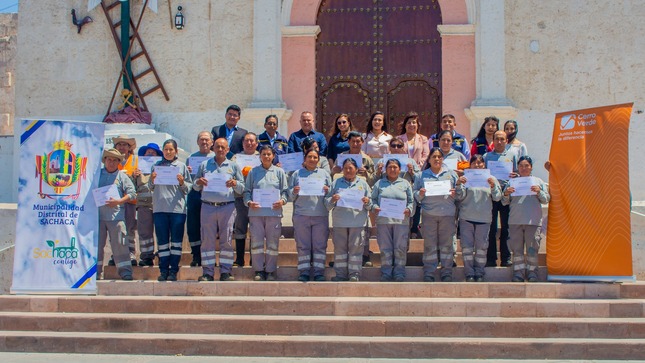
pixel 380 55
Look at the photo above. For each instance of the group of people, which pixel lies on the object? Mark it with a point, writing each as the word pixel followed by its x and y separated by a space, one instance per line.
pixel 401 186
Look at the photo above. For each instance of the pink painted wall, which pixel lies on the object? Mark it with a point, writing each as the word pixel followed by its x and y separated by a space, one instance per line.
pixel 298 77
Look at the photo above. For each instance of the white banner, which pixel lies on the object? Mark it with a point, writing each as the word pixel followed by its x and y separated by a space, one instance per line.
pixel 57 218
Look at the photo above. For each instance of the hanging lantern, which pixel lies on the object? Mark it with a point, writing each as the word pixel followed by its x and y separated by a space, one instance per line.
pixel 179 18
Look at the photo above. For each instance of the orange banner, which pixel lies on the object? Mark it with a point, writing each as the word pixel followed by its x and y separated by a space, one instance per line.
pixel 589 228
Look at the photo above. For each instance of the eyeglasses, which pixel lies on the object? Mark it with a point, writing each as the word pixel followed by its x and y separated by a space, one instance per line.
pixel 341 122
pixel 396 146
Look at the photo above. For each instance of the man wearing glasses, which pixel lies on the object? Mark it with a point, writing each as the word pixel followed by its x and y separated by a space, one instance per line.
pixel 307 130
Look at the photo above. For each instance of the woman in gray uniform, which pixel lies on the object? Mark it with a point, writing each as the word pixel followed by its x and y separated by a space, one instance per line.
pixel 525 221
pixel 310 217
pixel 438 215
pixel 348 217
pixel 310 144
pixel 265 219
pixel 475 210
pixel 392 232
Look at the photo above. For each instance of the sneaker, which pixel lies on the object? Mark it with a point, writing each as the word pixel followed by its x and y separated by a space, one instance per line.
pixel 366 261
pixel 111 262
pixel 127 278
pixel 172 276
pixel 479 278
pixel 259 276
pixel 303 278
pixel 133 262
pixel 226 277
pixel 446 278
pixel 354 279
pixel 428 279
pixel 339 279
pixel 205 277
pixel 506 263
pixel 271 276
pixel 386 278
pixel 319 278
pixel 533 278
pixel 146 262
pixel 163 276
pixel 517 278
pixel 470 278
pixel 399 278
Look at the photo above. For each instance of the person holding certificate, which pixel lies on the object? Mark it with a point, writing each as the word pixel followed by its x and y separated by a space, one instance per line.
pixel 307 189
pixel 393 203
pixel 217 179
pixel 194 200
pixel 145 223
pixel 170 182
pixel 434 190
pixel 502 163
pixel 525 221
pixel 265 192
pixel 349 200
pixel 309 143
pixel 112 214
pixel 450 156
pixel 475 210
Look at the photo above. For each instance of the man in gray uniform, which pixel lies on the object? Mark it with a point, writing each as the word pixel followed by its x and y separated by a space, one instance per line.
pixel 217 178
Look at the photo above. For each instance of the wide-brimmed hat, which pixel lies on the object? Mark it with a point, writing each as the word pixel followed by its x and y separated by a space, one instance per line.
pixel 153 146
pixel 124 138
pixel 112 153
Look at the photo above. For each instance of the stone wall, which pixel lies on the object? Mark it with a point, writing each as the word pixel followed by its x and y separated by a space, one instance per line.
pixel 8 42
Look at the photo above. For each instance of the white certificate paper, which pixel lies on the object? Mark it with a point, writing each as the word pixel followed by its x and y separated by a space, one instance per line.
pixel 451 163
pixel 500 169
pixel 266 197
pixel 351 198
pixel 291 161
pixel 402 158
pixel 103 194
pixel 392 208
pixel 216 182
pixel 522 185
pixel 340 159
pixel 146 162
pixel 477 178
pixel 166 175
pixel 195 161
pixel 439 187
pixel 311 186
pixel 247 160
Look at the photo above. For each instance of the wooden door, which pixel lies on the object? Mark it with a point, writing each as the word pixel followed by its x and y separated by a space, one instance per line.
pixel 378 55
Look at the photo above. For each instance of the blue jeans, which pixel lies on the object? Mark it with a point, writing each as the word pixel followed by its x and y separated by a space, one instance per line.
pixel 169 229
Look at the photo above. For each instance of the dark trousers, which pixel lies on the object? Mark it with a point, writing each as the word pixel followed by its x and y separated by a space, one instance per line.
pixel 491 256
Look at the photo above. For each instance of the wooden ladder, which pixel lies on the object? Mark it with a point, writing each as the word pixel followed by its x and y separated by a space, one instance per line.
pixel 141 53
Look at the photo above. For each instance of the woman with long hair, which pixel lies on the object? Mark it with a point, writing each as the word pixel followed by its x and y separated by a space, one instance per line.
pixel 339 142
pixel 376 137
pixel 510 127
pixel 483 142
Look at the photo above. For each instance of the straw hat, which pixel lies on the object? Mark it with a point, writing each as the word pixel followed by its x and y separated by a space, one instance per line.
pixel 124 138
pixel 112 153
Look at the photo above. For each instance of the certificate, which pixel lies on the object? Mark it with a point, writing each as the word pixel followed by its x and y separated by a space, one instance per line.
pixel 477 178
pixel 340 159
pixel 439 187
pixel 311 186
pixel 103 194
pixel 146 162
pixel 195 161
pixel 351 198
pixel 404 159
pixel 217 182
pixel 291 161
pixel 500 169
pixel 266 197
pixel 522 185
pixel 166 175
pixel 451 163
pixel 247 160
pixel 392 208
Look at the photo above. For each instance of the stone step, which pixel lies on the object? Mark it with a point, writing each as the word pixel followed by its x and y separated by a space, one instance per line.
pixel 332 306
pixel 290 273
pixel 549 327
pixel 323 346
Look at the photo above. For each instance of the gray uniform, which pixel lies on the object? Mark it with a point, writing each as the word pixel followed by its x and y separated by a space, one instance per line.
pixel 112 224
pixel 524 222
pixel 265 222
pixel 475 210
pixel 217 215
pixel 310 223
pixel 393 235
pixel 348 228
pixel 438 223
